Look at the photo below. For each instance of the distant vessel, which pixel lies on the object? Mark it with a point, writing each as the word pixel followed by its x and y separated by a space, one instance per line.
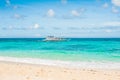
pixel 52 38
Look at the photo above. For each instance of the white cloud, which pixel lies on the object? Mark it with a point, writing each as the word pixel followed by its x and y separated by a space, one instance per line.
pixel 15 7
pixel 105 5
pixel 115 23
pixel 8 2
pixel 82 10
pixel 17 16
pixel 64 1
pixel 36 26
pixel 75 13
pixel 116 2
pixel 108 30
pixel 10 27
pixel 115 10
pixel 50 13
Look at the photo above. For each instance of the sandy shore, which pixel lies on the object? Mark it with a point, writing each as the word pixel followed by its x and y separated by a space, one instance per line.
pixel 22 71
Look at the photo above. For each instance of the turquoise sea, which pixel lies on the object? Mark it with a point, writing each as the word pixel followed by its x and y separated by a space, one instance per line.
pixel 74 49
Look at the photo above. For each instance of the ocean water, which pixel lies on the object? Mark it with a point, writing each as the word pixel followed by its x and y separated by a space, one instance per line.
pixel 74 49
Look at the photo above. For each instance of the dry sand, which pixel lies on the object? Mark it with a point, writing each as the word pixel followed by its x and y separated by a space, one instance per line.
pixel 21 71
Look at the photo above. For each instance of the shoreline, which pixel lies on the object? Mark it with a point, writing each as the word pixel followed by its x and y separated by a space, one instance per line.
pixel 23 69
pixel 65 64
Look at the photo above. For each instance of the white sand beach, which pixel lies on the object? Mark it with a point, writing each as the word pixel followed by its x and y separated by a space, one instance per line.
pixel 16 70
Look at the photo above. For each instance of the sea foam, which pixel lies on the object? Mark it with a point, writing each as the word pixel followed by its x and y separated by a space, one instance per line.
pixel 70 64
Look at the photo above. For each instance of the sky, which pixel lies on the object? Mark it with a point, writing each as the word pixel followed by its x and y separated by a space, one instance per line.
pixel 61 18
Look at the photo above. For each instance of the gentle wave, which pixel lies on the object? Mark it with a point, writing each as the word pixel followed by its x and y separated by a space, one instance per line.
pixel 70 64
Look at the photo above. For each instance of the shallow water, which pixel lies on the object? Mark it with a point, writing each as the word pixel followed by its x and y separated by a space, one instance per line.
pixel 74 49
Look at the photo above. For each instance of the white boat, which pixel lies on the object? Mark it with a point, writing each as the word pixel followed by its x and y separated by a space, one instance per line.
pixel 52 38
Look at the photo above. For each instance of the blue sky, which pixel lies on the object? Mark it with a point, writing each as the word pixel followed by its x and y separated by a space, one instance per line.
pixel 64 18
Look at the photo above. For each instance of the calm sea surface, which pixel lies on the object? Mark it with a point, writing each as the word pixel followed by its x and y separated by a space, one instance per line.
pixel 74 49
